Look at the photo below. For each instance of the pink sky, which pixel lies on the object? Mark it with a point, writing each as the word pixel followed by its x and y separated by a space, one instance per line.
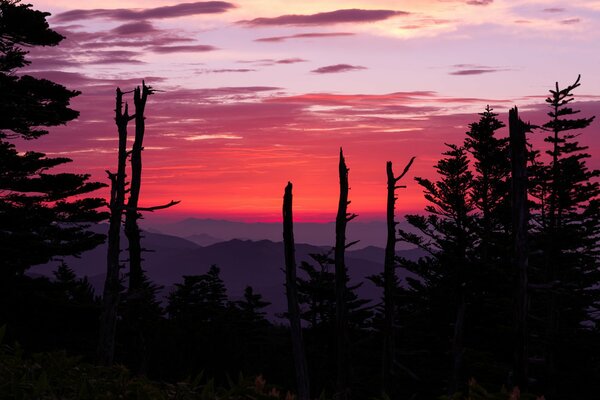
pixel 259 92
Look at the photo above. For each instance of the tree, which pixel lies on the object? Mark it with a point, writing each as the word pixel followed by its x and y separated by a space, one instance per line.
pixel 42 215
pixel 291 290
pixel 564 241
pixel 446 234
pixel 520 217
pixel 112 283
pixel 390 280
pixel 341 278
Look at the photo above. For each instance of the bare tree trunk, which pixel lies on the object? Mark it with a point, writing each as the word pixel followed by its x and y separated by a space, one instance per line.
pixel 389 277
pixel 341 276
pixel 112 285
pixel 302 378
pixel 520 216
pixel 132 230
pixel 135 295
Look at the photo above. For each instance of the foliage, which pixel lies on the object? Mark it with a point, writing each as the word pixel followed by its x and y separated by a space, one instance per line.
pixel 54 376
pixel 42 215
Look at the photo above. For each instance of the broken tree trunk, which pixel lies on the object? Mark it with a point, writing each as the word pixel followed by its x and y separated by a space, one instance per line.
pixel 302 378
pixel 341 277
pixel 135 295
pixel 389 277
pixel 132 230
pixel 520 216
pixel 112 285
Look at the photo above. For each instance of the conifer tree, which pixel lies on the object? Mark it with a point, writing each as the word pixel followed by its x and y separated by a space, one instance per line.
pixel 565 234
pixel 446 234
pixel 42 214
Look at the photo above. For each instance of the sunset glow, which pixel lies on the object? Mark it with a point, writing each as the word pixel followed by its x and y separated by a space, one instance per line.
pixel 256 93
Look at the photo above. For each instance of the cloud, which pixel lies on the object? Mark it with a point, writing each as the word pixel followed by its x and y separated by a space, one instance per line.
pixel 553 10
pixel 274 39
pixel 213 136
pixel 135 28
pixel 224 70
pixel 426 23
pixel 474 69
pixel 570 21
pixel 195 48
pixel 329 69
pixel 268 62
pixel 327 18
pixel 290 60
pixel 124 14
pixel 480 2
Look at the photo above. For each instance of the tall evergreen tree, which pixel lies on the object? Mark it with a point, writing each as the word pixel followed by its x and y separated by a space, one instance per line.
pixel 42 215
pixel 446 234
pixel 565 234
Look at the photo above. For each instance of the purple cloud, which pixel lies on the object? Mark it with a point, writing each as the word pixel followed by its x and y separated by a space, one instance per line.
pixel 463 72
pixel 329 69
pixel 267 62
pixel 570 21
pixel 219 71
pixel 182 49
pixel 123 14
pixel 290 60
pixel 327 18
pixel 475 69
pixel 135 28
pixel 480 2
pixel 303 36
pixel 553 10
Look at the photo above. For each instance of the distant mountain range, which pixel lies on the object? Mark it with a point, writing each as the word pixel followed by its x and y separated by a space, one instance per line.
pixel 210 231
pixel 258 263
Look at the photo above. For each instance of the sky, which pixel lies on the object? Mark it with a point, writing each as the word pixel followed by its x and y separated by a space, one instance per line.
pixel 255 93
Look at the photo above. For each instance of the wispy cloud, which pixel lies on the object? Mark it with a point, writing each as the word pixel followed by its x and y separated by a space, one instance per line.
pixel 554 10
pixel 196 48
pixel 274 39
pixel 474 69
pixel 329 69
pixel 123 14
pixel 213 137
pixel 225 70
pixel 480 2
pixel 327 18
pixel 570 21
pixel 135 28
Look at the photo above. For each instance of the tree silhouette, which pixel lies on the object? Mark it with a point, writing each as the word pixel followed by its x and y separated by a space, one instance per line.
pixel 42 214
pixel 446 234
pixel 520 217
pixel 390 280
pixel 341 278
pixel 564 234
pixel 291 290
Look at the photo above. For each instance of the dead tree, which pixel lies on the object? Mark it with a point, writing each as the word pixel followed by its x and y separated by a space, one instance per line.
pixel 112 285
pixel 389 276
pixel 132 230
pixel 136 290
pixel 520 217
pixel 302 378
pixel 341 277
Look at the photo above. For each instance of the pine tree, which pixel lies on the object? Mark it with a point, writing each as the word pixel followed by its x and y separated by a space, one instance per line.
pixel 446 234
pixel 565 234
pixel 42 215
